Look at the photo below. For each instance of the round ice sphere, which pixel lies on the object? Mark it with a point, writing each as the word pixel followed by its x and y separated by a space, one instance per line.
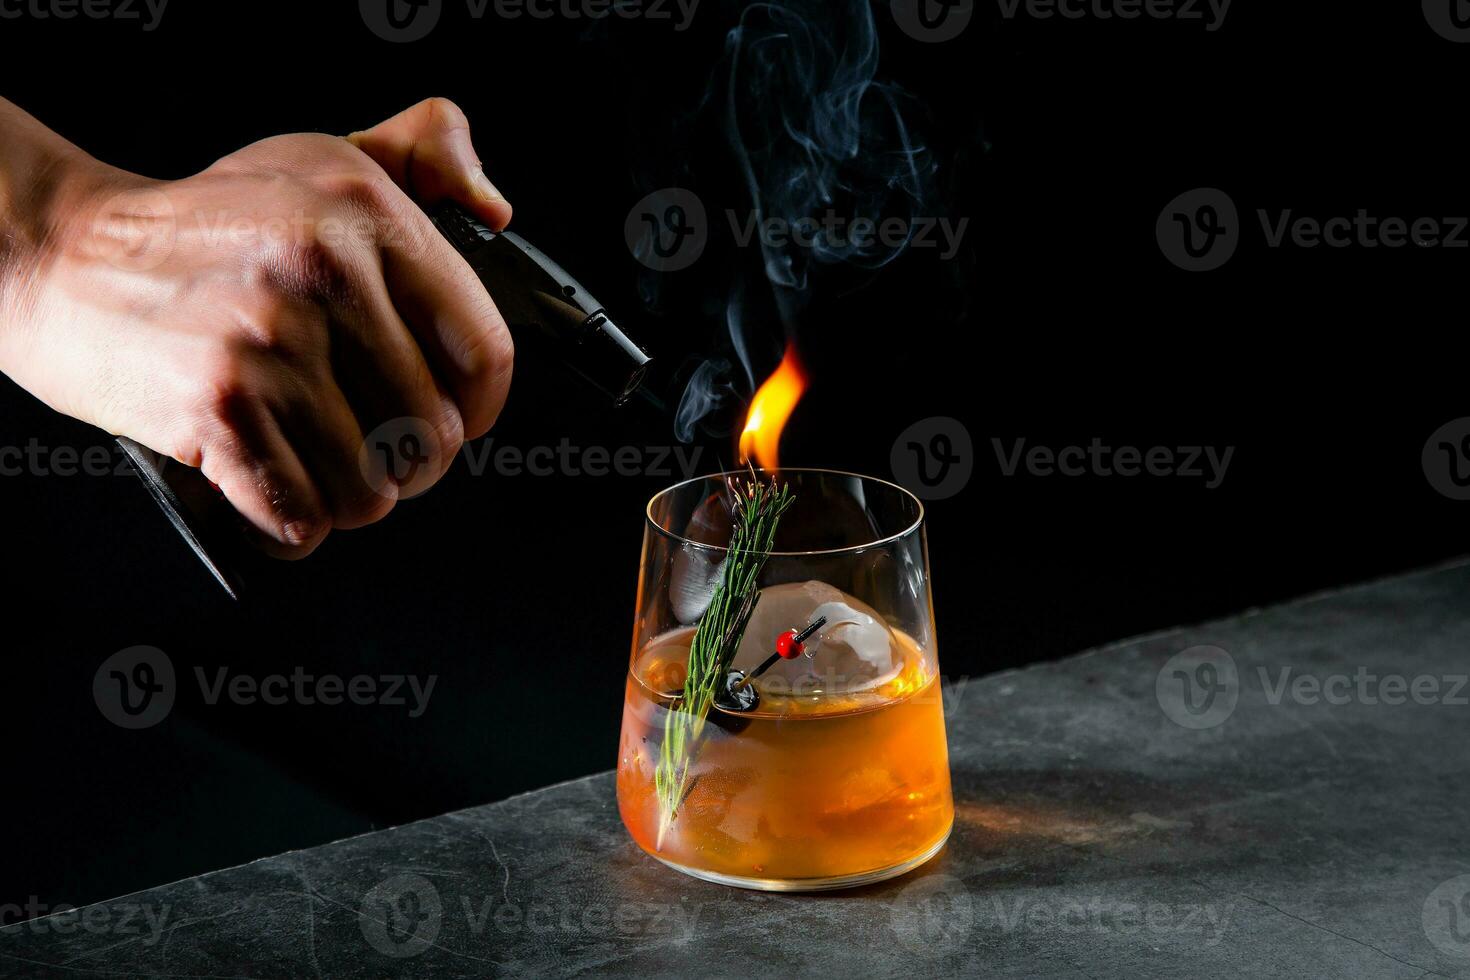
pixel 854 651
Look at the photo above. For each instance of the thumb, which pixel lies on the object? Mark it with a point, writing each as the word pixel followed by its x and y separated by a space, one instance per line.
pixel 427 151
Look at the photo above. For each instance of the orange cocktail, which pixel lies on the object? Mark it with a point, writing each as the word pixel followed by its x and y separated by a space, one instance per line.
pixel 818 786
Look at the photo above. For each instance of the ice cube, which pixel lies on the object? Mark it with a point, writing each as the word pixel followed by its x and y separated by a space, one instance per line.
pixel 855 651
pixel 696 572
pixel 862 788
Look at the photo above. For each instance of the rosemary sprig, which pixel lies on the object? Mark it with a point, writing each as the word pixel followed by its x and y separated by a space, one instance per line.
pixel 757 508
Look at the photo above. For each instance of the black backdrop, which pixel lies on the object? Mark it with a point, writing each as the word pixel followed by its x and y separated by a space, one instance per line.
pixel 1060 321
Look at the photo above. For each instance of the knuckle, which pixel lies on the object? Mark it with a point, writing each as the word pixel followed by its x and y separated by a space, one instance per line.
pixel 289 516
pixel 444 115
pixel 304 530
pixel 489 353
pixel 222 388
pixel 488 360
pixel 298 519
pixel 449 431
pixel 312 266
pixel 375 214
pixel 300 522
pixel 269 321
pixel 367 193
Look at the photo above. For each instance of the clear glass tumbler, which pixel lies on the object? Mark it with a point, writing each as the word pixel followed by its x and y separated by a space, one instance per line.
pixel 839 774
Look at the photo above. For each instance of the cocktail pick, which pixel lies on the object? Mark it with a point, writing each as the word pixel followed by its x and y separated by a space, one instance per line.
pixel 788 645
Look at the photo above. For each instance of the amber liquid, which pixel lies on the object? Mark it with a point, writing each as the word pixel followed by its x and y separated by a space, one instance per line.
pixel 808 787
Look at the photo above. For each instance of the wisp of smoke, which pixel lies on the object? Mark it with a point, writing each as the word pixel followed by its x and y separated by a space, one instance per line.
pixel 817 136
pixel 824 150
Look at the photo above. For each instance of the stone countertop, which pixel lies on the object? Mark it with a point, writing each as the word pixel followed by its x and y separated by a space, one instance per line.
pixel 1283 793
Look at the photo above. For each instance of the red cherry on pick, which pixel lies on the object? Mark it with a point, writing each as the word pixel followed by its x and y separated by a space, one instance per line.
pixel 787 645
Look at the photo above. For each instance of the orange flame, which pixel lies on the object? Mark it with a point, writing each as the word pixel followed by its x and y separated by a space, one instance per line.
pixel 770 408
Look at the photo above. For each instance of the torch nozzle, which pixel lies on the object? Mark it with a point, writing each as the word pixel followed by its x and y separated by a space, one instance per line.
pixel 542 302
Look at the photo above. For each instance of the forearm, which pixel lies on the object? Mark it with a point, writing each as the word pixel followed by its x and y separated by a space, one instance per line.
pixel 42 178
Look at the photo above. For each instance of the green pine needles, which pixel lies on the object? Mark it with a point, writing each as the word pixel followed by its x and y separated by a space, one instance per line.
pixel 758 508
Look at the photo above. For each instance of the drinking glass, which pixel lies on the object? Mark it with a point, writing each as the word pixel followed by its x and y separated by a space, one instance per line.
pixel 839 774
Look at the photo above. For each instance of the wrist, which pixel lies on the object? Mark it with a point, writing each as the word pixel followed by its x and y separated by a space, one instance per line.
pixel 48 192
pixel 38 171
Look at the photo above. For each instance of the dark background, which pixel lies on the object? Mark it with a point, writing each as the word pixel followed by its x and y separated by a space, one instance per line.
pixel 1327 370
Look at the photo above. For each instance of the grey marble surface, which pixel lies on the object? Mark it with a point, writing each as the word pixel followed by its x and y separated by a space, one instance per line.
pixel 1306 815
